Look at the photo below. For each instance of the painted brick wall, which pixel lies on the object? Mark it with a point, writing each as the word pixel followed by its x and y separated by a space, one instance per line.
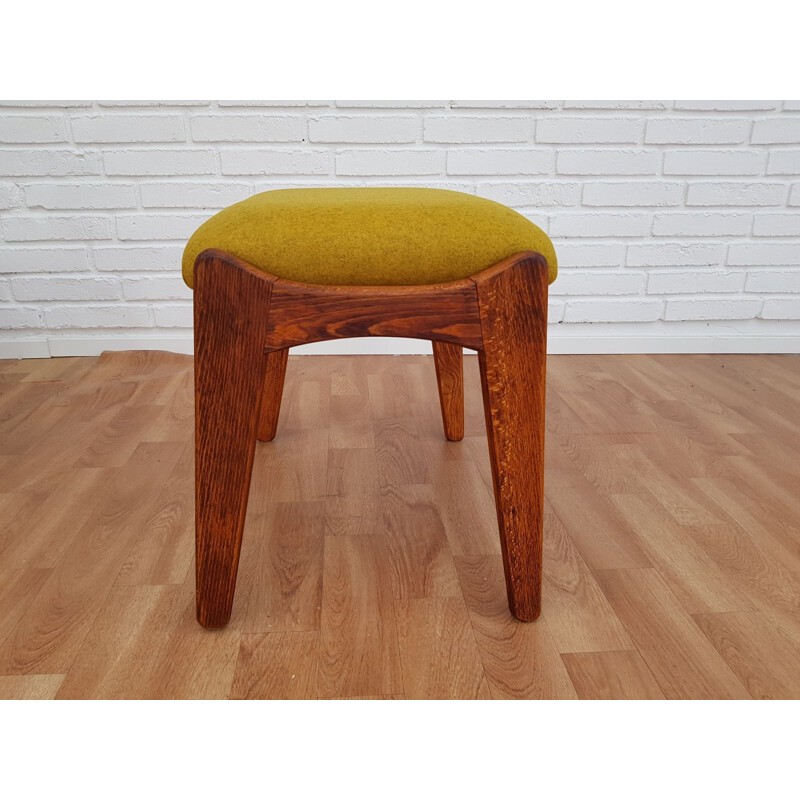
pixel 677 223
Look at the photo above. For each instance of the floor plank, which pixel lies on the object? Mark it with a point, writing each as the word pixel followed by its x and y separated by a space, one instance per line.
pixel 681 659
pixel 277 666
pixel 521 660
pixel 611 676
pixel 438 651
pixel 358 645
pixel 370 565
pixel 766 662
pixel 29 687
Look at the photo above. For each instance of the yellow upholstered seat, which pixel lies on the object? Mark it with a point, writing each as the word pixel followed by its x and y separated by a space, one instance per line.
pixel 369 236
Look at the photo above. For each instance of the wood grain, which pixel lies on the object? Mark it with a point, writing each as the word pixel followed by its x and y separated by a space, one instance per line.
pixel 681 659
pixel 277 666
pixel 450 379
pixel 29 687
pixel 231 303
pixel 619 675
pixel 302 313
pixel 439 654
pixel 358 646
pixel 512 300
pixel 521 661
pixel 96 579
pixel 271 395
pixel 764 661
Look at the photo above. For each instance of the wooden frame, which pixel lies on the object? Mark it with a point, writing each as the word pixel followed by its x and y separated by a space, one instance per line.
pixel 245 322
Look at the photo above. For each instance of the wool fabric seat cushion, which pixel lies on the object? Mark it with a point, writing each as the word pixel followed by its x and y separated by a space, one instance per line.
pixel 369 236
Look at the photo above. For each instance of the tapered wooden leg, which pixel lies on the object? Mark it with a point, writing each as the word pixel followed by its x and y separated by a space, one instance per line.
pixel 231 305
pixel 513 310
pixel 450 377
pixel 271 394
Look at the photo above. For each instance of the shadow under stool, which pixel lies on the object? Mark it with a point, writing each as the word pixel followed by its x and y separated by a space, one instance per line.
pixel 293 266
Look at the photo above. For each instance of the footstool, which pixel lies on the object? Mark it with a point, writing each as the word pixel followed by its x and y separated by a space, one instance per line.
pixel 292 266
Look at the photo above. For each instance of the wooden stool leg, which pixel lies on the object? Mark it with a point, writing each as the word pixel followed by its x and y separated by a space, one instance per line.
pixel 271 394
pixel 513 309
pixel 231 305
pixel 450 377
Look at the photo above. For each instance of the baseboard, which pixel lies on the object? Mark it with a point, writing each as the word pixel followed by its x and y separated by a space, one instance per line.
pixel 599 340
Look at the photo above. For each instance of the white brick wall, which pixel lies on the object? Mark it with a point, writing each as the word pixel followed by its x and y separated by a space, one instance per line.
pixel 673 220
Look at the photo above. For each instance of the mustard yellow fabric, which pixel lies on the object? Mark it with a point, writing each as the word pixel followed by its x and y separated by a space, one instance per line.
pixel 369 236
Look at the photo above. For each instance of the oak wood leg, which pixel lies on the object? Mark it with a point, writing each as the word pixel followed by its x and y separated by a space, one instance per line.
pixel 450 378
pixel 513 309
pixel 231 304
pixel 271 394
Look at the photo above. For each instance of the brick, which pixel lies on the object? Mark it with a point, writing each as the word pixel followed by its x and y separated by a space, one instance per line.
pixel 496 161
pixel 618 105
pixel 247 128
pixel 773 281
pixel 736 193
pixel 701 224
pixel 156 288
pixel 594 283
pixel 158 226
pixel 45 103
pixel 588 130
pixel 5 291
pixel 714 162
pixel 389 162
pixel 712 309
pixel 629 310
pixel 725 105
pixel 159 162
pixel 134 259
pixel 776 131
pixel 504 104
pixel 555 311
pixel 50 162
pixel 275 162
pixel 476 130
pixel 152 103
pixel 784 162
pixel 601 224
pixel 363 129
pixel 24 129
pixel 91 316
pixel 696 131
pixel 675 255
pixel 9 196
pixel 16 317
pixel 391 103
pixel 794 195
pixel 768 255
pixel 607 162
pixel 120 128
pixel 38 229
pixel 88 196
pixel 541 193
pixel 695 282
pixel 633 193
pixel 571 254
pixel 272 103
pixel 44 259
pixel 71 288
pixel 791 105
pixel 781 308
pixel 777 224
pixel 193 194
pixel 173 316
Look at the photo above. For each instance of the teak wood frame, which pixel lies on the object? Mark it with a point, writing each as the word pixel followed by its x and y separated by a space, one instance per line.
pixel 245 322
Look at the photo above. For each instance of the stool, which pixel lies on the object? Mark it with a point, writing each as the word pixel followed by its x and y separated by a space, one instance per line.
pixel 293 266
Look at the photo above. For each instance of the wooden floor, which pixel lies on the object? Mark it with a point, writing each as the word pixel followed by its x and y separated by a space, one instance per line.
pixel 371 565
